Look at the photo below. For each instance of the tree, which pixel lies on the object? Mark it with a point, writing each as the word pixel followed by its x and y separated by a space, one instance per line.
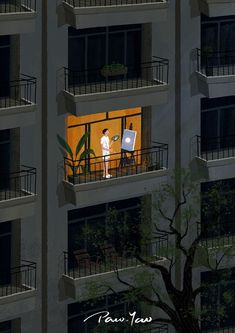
pixel 178 302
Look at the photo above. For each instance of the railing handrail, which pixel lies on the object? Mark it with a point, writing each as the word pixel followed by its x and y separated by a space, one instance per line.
pixel 29 170
pixel 163 61
pixel 215 137
pixel 28 264
pixel 23 78
pixel 214 52
pixel 164 147
pixel 31 5
pixel 73 3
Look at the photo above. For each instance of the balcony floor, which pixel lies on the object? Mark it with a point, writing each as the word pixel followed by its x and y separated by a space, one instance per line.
pixel 7 195
pixel 220 70
pixel 102 87
pixel 116 173
pixel 7 290
pixel 8 7
pixel 7 102
pixel 106 3
pixel 218 154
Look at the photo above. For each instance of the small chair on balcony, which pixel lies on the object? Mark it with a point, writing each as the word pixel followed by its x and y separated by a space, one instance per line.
pixel 86 266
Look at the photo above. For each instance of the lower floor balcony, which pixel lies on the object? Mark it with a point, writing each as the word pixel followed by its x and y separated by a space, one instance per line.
pixel 17 289
pixel 95 13
pixel 17 193
pixel 217 235
pixel 116 86
pixel 215 157
pixel 214 8
pixel 136 173
pixel 227 329
pixel 18 102
pixel 17 16
pixel 215 73
pixel 85 266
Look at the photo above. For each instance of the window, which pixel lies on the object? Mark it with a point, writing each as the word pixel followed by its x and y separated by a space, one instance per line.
pixel 5 253
pixel 88 227
pixel 5 327
pixel 218 35
pixel 115 121
pixel 4 65
pixel 218 212
pixel 118 44
pixel 114 303
pixel 218 123
pixel 218 302
pixel 5 158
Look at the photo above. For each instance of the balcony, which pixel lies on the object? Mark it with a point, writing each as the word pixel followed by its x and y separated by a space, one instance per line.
pixel 213 8
pixel 81 267
pixel 215 157
pixel 17 295
pixel 217 235
pixel 17 16
pixel 17 194
pixel 18 102
pixel 216 73
pixel 133 174
pixel 99 13
pixel 109 88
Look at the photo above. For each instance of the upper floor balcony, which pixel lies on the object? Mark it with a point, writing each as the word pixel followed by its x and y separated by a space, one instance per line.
pixel 17 290
pixel 133 174
pixel 213 8
pixel 18 102
pixel 17 16
pixel 99 13
pixel 17 193
pixel 82 267
pixel 216 156
pixel 216 73
pixel 116 86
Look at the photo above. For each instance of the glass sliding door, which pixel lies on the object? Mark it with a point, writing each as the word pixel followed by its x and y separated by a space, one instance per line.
pixel 4 66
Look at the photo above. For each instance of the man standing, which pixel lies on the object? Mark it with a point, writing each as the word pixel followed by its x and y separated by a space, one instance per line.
pixel 106 152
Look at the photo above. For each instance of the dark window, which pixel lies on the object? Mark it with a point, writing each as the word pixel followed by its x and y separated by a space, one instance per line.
pixel 218 208
pixel 218 301
pixel 5 253
pixel 217 123
pixel 4 65
pixel 89 227
pixel 5 158
pixel 90 49
pixel 5 327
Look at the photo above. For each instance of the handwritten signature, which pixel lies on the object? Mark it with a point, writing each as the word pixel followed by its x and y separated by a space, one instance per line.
pixel 104 316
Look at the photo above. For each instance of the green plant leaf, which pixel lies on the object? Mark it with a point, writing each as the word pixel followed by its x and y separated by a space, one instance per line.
pixel 65 146
pixel 81 143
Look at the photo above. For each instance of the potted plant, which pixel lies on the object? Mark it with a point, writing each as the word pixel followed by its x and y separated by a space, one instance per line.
pixel 74 161
pixel 113 70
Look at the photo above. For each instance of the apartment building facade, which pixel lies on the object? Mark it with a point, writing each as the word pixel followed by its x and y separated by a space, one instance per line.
pixel 164 69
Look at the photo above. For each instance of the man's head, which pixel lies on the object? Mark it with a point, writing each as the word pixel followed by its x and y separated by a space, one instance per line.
pixel 105 131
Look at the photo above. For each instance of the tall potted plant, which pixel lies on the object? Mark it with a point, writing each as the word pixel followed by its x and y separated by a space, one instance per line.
pixel 74 161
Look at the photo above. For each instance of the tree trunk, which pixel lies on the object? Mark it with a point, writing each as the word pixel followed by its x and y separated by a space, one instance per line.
pixel 188 324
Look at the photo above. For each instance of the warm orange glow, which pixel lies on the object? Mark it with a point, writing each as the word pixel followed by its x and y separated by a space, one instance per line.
pixel 114 126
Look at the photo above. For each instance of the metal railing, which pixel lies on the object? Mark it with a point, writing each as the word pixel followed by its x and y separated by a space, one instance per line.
pixel 18 92
pixel 17 6
pixel 228 329
pixel 18 184
pixel 101 80
pixel 120 164
pixel 81 263
pixel 107 3
pixel 216 148
pixel 212 63
pixel 217 234
pixel 22 278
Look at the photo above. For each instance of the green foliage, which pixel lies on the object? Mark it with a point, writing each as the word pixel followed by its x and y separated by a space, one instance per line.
pixel 75 161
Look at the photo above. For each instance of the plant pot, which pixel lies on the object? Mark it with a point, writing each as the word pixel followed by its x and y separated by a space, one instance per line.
pixel 113 72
